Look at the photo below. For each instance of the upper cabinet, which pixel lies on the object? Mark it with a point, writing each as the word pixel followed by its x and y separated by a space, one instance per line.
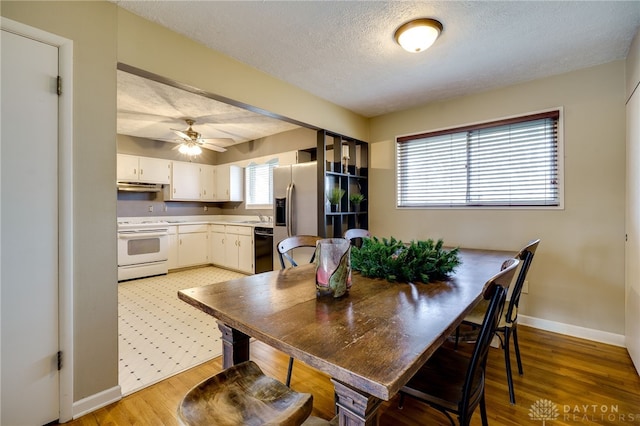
pixel 203 182
pixel 132 168
pixel 229 183
pixel 346 170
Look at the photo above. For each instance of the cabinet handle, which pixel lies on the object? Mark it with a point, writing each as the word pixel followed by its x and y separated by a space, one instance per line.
pixel 135 171
pixel 141 172
pixel 180 241
pixel 174 189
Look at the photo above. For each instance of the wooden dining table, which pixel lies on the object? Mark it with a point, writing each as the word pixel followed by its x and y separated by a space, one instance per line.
pixel 370 342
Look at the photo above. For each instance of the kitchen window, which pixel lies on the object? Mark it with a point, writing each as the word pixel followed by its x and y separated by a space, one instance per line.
pixel 259 184
pixel 507 163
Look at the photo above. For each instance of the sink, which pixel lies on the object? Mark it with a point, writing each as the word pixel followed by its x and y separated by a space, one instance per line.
pixel 249 221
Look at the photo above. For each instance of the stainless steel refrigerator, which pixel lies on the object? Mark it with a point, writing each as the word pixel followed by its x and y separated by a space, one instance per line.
pixel 295 209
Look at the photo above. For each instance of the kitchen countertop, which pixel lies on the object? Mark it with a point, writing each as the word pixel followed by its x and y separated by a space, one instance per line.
pixel 251 221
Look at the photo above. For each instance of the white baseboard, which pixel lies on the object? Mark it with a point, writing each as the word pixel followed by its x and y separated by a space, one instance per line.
pixel 99 400
pixel 573 330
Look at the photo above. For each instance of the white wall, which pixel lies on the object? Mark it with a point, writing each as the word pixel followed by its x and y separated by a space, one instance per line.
pixel 577 277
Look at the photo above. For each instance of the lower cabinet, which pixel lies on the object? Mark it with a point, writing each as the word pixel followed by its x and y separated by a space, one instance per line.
pixel 232 247
pixel 217 245
pixel 172 262
pixel 193 245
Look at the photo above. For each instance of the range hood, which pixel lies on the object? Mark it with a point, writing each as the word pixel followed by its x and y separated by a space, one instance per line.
pixel 139 187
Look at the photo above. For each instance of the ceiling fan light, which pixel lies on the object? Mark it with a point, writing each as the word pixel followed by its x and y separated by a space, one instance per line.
pixel 190 149
pixel 418 35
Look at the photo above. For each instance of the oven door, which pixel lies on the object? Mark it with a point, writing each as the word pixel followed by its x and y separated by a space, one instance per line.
pixel 136 247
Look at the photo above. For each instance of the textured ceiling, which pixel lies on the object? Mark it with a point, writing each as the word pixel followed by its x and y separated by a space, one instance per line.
pixel 344 51
pixel 150 109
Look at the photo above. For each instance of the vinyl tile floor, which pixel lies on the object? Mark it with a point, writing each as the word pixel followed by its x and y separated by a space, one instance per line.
pixel 159 334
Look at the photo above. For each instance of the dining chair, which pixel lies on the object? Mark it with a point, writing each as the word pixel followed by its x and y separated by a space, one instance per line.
pixel 284 247
pixel 508 325
pixel 452 382
pixel 242 394
pixel 294 242
pixel 355 233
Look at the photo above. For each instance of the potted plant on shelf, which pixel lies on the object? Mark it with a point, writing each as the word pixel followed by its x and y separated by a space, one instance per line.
pixel 356 199
pixel 334 198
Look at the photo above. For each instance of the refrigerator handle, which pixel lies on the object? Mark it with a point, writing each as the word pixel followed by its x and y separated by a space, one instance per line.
pixel 289 208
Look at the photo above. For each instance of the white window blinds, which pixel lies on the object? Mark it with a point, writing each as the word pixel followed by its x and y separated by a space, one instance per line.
pixel 259 184
pixel 505 163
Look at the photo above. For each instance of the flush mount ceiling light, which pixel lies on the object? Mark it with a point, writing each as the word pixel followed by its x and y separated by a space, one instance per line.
pixel 418 35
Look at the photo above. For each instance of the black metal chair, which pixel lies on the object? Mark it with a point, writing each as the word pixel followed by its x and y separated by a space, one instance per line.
pixel 355 235
pixel 508 324
pixel 241 395
pixel 284 247
pixel 452 382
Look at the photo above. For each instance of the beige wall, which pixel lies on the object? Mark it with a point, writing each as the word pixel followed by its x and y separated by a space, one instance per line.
pixel 578 275
pixel 91 26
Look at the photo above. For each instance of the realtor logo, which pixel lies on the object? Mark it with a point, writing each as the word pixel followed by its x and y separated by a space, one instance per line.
pixel 543 410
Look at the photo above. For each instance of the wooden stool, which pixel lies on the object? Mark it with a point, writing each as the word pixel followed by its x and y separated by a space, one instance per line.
pixel 243 395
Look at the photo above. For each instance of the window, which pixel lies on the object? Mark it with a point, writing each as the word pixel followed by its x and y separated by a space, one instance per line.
pixel 259 185
pixel 512 162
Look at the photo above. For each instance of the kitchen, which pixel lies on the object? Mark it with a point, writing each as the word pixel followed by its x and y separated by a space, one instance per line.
pixel 178 211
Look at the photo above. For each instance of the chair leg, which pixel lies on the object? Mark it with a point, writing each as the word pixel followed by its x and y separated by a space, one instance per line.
pixel 507 361
pixel 517 348
pixel 483 410
pixel 401 401
pixel 288 383
pixel 457 337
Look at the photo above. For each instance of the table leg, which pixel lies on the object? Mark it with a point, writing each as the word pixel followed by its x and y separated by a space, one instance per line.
pixel 354 407
pixel 235 346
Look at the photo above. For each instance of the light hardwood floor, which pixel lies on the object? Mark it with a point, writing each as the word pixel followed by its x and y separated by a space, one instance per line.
pixel 587 382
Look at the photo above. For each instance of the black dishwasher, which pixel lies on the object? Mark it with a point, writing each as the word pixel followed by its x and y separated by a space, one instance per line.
pixel 263 246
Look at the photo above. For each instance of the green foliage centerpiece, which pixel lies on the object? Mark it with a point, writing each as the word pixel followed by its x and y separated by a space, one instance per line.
pixel 418 261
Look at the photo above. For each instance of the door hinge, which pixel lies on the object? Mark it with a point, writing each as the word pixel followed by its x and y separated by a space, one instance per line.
pixel 59 86
pixel 59 360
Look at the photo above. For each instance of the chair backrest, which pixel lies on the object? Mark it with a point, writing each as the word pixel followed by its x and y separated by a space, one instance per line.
pixel 294 242
pixel 526 257
pixel 496 293
pixel 351 234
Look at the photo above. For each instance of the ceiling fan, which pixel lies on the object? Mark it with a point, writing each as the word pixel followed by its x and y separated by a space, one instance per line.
pixel 193 142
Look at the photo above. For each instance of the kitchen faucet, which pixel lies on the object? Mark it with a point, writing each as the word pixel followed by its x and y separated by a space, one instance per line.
pixel 262 218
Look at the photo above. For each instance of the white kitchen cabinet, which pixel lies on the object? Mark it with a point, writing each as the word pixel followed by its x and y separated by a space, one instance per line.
pixel 207 183
pixel 193 245
pixel 217 248
pixel 238 248
pixel 127 168
pixel 131 168
pixel 172 262
pixel 229 183
pixel 232 247
pixel 185 181
pixel 192 182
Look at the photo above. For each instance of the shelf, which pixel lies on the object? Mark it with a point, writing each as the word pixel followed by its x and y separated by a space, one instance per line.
pixel 354 155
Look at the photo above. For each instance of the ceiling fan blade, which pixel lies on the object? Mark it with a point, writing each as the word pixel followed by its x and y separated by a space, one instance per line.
pixel 217 140
pixel 213 147
pixel 181 134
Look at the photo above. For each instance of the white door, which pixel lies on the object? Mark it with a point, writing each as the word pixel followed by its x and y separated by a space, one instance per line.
pixel 29 231
pixel 632 319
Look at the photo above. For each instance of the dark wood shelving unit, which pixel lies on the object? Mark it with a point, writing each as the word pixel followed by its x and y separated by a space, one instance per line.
pixel 350 174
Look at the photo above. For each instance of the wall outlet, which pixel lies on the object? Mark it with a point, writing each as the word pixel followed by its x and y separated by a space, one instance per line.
pixel 150 208
pixel 525 287
pixel 164 208
pixel 206 208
